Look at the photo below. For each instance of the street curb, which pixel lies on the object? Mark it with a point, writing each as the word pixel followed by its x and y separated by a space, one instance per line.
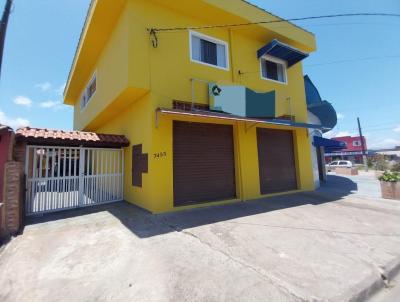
pixel 392 269
pixel 372 285
pixel 363 290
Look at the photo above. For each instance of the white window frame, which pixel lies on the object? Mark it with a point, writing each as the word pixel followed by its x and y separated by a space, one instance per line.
pixel 277 61
pixel 94 77
pixel 212 40
pixel 357 144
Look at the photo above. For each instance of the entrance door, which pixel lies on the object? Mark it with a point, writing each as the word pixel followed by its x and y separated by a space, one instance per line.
pixel 204 165
pixel 60 178
pixel 277 168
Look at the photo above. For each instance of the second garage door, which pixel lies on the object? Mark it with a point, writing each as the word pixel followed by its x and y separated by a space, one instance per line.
pixel 204 165
pixel 276 160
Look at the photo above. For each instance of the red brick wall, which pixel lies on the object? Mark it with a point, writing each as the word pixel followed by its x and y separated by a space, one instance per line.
pixel 13 196
pixel 3 231
pixel 12 184
pixel 6 141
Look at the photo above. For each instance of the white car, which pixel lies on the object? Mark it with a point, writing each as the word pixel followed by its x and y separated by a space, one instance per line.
pixel 339 164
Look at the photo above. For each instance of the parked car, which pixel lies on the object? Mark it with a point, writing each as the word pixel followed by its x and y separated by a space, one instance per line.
pixel 339 163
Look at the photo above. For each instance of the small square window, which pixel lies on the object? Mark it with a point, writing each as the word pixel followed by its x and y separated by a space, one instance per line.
pixel 356 143
pixel 209 51
pixel 273 69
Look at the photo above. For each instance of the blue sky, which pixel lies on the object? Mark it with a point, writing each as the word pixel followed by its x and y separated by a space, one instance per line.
pixel 43 35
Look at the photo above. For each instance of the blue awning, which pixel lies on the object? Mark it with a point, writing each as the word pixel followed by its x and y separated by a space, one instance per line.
pixel 282 51
pixel 329 144
pixel 321 109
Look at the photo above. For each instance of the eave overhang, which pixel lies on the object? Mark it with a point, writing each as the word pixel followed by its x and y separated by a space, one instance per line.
pixel 99 24
pixel 52 137
pixel 235 118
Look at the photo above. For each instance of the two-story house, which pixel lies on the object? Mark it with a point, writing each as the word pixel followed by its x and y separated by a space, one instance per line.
pixel 210 94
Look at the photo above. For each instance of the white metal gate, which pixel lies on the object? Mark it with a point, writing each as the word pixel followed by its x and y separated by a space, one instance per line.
pixel 60 178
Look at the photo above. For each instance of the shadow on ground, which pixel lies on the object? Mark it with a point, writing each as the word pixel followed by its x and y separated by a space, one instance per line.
pixel 144 224
pixel 338 186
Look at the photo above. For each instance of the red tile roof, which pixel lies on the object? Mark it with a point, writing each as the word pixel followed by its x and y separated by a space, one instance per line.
pixel 70 138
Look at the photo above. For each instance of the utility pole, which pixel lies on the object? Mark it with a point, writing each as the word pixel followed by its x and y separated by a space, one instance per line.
pixel 364 151
pixel 3 28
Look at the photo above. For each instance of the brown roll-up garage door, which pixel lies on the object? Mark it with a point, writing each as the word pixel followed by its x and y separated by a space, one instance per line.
pixel 204 165
pixel 276 159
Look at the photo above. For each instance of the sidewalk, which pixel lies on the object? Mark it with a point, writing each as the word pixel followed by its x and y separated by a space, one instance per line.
pixel 332 245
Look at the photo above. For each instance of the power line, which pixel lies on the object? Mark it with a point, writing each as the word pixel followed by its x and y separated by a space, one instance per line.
pixel 386 124
pixel 374 129
pixel 274 21
pixel 336 62
pixel 377 130
pixel 353 60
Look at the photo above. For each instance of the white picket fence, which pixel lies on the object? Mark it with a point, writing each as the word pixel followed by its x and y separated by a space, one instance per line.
pixel 60 178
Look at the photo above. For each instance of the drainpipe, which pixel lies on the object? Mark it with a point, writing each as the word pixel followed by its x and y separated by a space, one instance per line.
pixel 289 99
pixel 242 195
pixel 193 81
pixel 231 56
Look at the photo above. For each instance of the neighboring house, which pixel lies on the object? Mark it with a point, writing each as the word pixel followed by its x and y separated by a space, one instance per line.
pixel 322 113
pixel 389 154
pixel 353 151
pixel 213 115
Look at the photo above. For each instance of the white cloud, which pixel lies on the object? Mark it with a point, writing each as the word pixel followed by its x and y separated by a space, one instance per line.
pixel 397 129
pixel 43 86
pixel 344 133
pixel 60 90
pixel 330 134
pixel 13 122
pixel 51 105
pixel 387 143
pixel 23 101
pixel 48 104
pixel 335 133
pixel 340 116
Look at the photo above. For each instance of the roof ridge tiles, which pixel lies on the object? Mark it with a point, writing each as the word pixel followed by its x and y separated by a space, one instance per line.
pixel 70 137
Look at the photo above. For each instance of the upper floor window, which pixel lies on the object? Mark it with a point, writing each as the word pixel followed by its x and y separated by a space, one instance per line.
pixel 356 143
pixel 89 91
pixel 273 69
pixel 209 51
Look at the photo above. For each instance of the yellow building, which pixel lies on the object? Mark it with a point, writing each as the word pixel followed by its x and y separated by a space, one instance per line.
pixel 214 113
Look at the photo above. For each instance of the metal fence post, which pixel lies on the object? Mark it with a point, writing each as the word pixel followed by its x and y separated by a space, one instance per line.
pixel 81 175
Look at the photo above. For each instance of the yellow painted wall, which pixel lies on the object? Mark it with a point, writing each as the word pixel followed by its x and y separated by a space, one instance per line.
pixel 114 74
pixel 128 61
pixel 136 123
pixel 246 160
pixel 134 79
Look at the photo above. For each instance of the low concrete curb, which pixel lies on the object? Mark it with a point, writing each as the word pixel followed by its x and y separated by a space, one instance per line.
pixel 392 269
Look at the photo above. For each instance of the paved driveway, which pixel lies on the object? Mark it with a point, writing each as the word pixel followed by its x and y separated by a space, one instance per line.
pixel 365 184
pixel 329 245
